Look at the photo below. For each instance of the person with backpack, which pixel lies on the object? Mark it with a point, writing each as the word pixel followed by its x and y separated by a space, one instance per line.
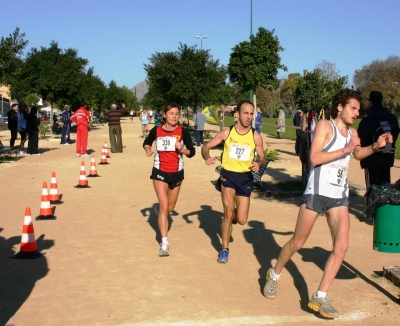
pixel 379 121
pixel 22 120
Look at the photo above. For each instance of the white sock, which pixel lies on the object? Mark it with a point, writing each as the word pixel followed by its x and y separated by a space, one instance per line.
pixel 164 243
pixel 275 276
pixel 321 294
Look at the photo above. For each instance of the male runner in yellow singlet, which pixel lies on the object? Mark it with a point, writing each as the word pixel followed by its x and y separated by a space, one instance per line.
pixel 236 181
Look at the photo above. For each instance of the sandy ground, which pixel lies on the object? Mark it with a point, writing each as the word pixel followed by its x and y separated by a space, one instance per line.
pixel 101 265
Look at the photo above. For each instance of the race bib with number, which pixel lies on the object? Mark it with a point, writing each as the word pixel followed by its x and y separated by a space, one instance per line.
pixel 337 174
pixel 240 152
pixel 166 144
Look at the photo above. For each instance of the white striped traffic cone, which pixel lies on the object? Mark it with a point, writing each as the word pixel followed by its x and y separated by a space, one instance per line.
pixel 28 247
pixel 93 169
pixel 46 212
pixel 106 149
pixel 103 156
pixel 53 192
pixel 82 183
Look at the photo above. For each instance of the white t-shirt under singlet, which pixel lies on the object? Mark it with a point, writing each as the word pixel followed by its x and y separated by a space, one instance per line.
pixel 330 179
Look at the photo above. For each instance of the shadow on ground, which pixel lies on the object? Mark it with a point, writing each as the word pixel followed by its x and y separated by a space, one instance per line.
pixel 18 276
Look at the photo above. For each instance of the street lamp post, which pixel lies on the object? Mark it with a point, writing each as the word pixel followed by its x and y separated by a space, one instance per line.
pixel 201 40
pixel 201 36
pixel 251 33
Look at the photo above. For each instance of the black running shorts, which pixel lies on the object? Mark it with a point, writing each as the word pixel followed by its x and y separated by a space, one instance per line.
pixel 173 179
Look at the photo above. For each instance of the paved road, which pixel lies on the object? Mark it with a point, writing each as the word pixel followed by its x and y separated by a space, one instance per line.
pixel 102 267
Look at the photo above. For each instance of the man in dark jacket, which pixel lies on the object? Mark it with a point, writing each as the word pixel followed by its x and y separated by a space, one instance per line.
pixel 66 125
pixel 377 166
pixel 13 123
pixel 113 117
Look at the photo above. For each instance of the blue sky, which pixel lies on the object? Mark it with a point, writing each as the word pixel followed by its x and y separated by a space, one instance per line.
pixel 118 37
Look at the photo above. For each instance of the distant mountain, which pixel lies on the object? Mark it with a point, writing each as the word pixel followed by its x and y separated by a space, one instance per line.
pixel 140 90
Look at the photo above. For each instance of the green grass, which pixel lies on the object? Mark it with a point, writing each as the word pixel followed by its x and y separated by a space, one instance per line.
pixel 291 133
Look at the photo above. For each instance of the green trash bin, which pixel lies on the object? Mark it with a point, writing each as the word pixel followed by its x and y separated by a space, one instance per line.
pixel 387 228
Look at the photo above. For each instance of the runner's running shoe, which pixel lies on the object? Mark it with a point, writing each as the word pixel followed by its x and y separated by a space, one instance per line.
pixel 223 256
pixel 323 306
pixel 270 286
pixel 163 252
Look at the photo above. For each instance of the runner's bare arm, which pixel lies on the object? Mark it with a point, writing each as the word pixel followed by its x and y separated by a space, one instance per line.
pixel 255 166
pixel 322 134
pixel 361 153
pixel 219 138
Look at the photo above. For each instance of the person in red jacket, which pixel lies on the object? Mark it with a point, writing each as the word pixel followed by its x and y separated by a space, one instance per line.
pixel 81 117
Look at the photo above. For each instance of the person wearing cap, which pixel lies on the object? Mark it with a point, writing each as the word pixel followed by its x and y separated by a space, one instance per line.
pixel 377 166
pixel 66 125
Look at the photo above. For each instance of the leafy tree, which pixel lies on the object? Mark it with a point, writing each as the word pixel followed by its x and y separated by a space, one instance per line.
pixel 187 76
pixel 10 55
pixel 328 70
pixel 119 96
pixel 314 90
pixel 256 62
pixel 51 73
pixel 91 89
pixel 288 89
pixel 224 94
pixel 383 76
pixel 269 99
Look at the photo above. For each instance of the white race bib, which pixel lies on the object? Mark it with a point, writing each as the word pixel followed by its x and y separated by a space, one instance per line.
pixel 166 144
pixel 337 174
pixel 239 152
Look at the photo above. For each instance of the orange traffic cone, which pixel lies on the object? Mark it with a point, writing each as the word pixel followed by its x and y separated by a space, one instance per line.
pixel 46 212
pixel 106 149
pixel 53 193
pixel 93 169
pixel 28 242
pixel 82 183
pixel 103 156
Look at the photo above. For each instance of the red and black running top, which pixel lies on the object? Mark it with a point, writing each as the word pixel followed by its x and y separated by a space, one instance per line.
pixel 166 157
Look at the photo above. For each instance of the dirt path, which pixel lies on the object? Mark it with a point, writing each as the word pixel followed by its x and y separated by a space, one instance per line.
pixel 102 267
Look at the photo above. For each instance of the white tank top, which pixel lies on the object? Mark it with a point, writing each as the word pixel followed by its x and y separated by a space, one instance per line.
pixel 330 179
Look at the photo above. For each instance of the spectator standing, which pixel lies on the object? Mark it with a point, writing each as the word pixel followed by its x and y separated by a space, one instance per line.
pixel 32 127
pixel 131 113
pixel 297 122
pixel 199 120
pixel 377 166
pixel 81 117
pixel 66 125
pixel 12 116
pixel 22 126
pixel 281 123
pixel 113 117
pixel 157 118
pixel 144 120
pixel 258 120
